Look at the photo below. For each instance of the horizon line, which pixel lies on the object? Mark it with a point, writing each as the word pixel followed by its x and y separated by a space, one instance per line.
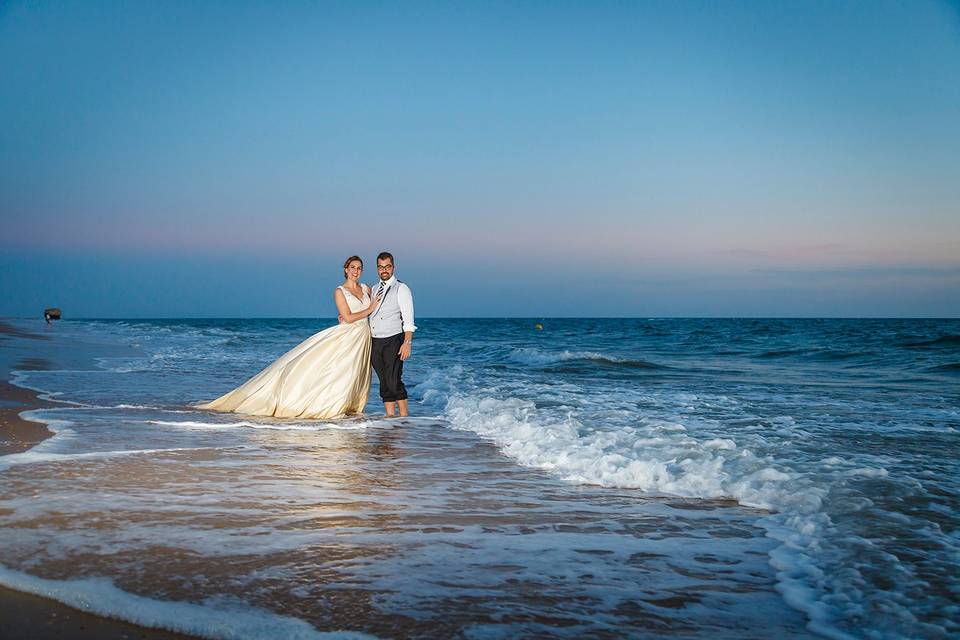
pixel 643 317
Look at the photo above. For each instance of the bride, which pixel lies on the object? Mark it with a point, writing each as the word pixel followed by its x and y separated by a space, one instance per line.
pixel 325 376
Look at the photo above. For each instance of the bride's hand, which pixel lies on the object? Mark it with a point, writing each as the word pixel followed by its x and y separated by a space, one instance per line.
pixel 374 300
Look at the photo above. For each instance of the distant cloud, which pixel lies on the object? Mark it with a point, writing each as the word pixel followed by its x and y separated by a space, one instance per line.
pixel 878 271
pixel 854 256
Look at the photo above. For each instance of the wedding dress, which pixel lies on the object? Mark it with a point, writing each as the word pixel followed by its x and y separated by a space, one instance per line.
pixel 325 376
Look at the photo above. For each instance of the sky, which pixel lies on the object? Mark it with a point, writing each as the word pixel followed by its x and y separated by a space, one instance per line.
pixel 532 159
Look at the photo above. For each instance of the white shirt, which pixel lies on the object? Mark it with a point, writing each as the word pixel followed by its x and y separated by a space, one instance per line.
pixel 395 313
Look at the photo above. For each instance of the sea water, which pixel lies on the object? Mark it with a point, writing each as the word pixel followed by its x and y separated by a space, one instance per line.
pixel 593 478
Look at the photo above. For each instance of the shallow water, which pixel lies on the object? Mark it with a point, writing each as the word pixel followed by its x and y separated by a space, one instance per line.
pixel 600 478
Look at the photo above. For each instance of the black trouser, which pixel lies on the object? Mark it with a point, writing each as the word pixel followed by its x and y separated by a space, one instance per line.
pixel 385 358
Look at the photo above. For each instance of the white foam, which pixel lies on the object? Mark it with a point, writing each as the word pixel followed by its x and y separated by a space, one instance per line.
pixel 129 369
pixel 221 620
pixel 100 407
pixel 35 455
pixel 150 408
pixel 60 429
pixel 279 426
pixel 868 472
pixel 536 357
pixel 681 466
pixel 662 457
pixel 17 378
pixel 796 575
pixel 721 443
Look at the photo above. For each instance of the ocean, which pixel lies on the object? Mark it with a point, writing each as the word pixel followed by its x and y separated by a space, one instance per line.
pixel 596 478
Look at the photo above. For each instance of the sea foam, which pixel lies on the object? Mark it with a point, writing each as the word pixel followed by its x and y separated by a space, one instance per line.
pixel 664 457
pixel 220 620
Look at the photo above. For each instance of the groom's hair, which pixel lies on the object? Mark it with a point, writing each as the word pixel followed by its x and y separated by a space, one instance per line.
pixel 385 255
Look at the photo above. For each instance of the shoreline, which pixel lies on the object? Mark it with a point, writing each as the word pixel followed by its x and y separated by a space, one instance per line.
pixel 18 434
pixel 26 615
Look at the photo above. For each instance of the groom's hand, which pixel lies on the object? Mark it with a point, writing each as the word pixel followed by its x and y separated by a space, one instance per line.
pixel 340 319
pixel 405 350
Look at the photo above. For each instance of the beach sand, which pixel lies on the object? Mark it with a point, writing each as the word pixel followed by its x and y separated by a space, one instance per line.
pixel 17 434
pixel 22 615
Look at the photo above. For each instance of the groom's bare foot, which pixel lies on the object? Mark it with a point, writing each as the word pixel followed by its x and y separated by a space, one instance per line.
pixel 390 408
pixel 404 409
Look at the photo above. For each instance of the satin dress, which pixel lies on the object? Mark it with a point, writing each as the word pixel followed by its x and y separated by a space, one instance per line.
pixel 325 376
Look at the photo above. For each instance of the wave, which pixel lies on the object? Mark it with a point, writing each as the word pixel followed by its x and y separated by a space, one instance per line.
pixel 827 355
pixel 108 407
pixel 661 457
pixel 783 353
pixel 950 367
pixel 347 426
pixel 17 378
pixel 537 358
pixel 37 455
pixel 214 619
pixel 947 340
pixel 148 408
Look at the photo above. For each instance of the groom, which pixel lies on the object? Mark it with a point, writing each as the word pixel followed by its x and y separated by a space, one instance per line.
pixel 392 328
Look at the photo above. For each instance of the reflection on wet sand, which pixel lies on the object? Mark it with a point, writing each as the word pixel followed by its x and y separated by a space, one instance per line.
pixel 399 530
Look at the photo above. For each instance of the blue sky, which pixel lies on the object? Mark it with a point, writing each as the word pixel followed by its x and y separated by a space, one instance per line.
pixel 519 158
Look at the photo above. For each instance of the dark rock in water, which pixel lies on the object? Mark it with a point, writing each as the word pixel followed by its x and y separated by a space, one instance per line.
pixel 52 313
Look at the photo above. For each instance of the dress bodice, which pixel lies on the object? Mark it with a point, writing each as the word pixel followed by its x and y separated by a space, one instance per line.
pixel 355 303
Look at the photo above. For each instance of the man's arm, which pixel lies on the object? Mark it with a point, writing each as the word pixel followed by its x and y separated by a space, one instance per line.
pixel 405 300
pixel 407 345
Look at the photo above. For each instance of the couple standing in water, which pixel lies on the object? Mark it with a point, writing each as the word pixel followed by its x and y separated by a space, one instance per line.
pixel 328 374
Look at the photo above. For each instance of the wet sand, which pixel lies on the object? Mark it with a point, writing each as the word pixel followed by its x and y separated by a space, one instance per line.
pixel 17 434
pixel 29 617
pixel 22 615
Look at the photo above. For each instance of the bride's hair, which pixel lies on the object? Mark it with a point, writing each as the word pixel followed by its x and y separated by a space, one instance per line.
pixel 347 264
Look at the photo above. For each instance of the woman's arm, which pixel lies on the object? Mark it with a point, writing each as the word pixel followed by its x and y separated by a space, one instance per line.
pixel 344 308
